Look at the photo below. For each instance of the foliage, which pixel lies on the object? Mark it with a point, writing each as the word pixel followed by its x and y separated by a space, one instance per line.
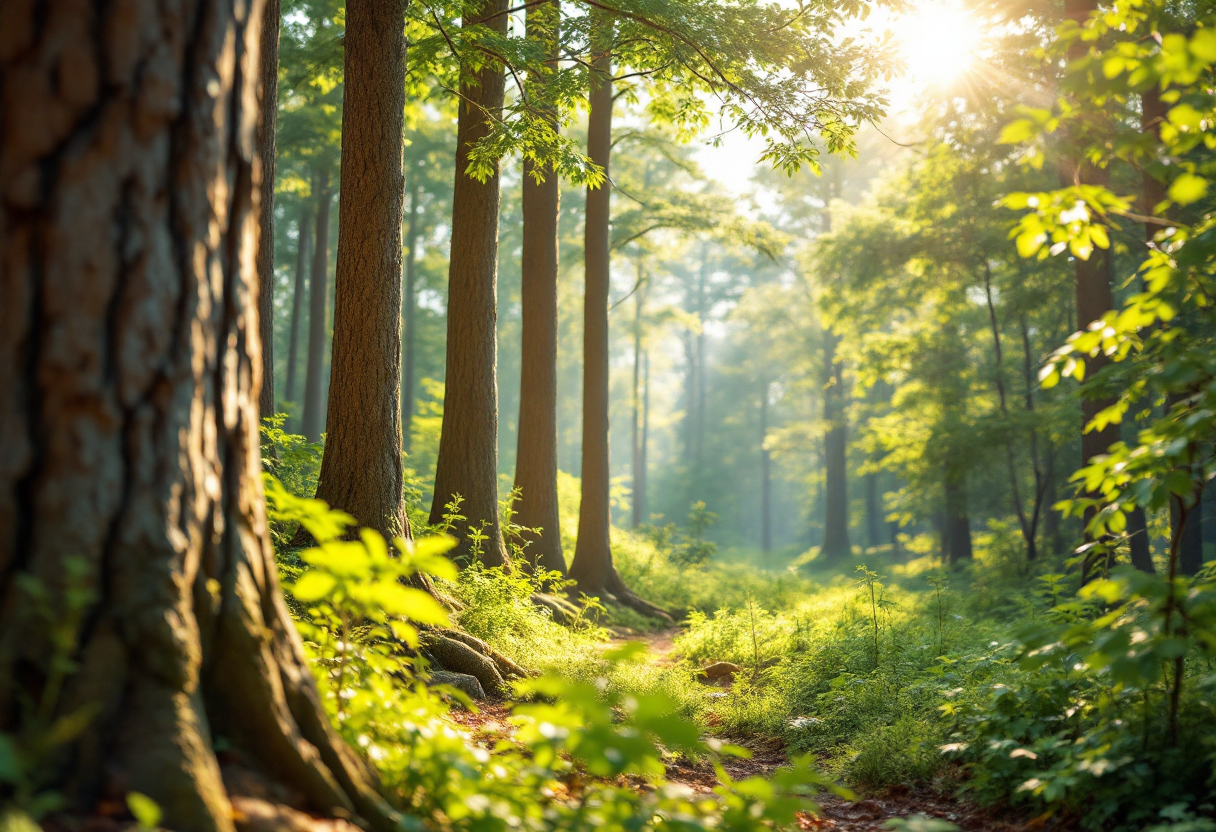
pixel 551 767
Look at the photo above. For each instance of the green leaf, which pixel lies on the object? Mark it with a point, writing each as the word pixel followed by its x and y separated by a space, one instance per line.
pixel 10 760
pixel 1016 132
pixel 146 811
pixel 313 586
pixel 1188 188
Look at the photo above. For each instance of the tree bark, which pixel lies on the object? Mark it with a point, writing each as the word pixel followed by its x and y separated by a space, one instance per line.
pixel 268 93
pixel 361 470
pixel 536 453
pixel 468 445
pixel 409 314
pixel 592 568
pixel 836 545
pixel 303 241
pixel 129 357
pixel 318 316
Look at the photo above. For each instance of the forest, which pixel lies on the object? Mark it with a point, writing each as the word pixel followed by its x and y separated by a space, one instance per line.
pixel 630 415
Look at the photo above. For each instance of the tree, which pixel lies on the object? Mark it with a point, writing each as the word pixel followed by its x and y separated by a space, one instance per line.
pixel 468 445
pixel 361 470
pixel 303 244
pixel 318 312
pixel 536 457
pixel 129 359
pixel 268 92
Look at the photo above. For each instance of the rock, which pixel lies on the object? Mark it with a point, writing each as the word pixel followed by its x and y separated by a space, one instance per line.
pixel 719 671
pixel 461 681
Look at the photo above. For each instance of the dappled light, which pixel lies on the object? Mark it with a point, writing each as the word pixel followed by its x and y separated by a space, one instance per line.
pixel 615 415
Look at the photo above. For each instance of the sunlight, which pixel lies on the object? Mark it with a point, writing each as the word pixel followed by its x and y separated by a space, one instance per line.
pixel 938 42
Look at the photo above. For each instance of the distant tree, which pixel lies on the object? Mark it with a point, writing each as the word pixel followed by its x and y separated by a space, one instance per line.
pixel 268 97
pixel 361 470
pixel 311 423
pixel 536 456
pixel 468 444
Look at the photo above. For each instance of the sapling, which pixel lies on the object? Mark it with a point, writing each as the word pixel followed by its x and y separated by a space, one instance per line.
pixel 871 581
pixel 939 581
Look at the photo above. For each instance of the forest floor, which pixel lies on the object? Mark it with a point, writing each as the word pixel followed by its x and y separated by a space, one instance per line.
pixel 869 813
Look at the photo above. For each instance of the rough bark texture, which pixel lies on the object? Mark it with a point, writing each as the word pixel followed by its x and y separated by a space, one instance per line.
pixel 318 316
pixel 129 357
pixel 268 94
pixel 592 568
pixel 536 454
pixel 361 471
pixel 409 303
pixel 303 241
pixel 836 543
pixel 468 444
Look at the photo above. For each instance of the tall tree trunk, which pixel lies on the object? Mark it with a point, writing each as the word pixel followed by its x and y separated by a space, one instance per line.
pixel 318 316
pixel 592 568
pixel 957 521
pixel 766 480
pixel 873 511
pixel 361 470
pixel 468 444
pixel 1025 523
pixel 635 433
pixel 536 454
pixel 303 240
pixel 1092 276
pixel 644 443
pixel 409 315
pixel 836 543
pixel 268 92
pixel 129 357
pixel 1190 537
pixel 699 407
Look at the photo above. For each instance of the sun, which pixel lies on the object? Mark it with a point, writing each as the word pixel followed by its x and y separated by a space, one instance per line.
pixel 938 42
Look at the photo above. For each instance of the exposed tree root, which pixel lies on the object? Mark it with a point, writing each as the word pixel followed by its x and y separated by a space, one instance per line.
pixel 508 668
pixel 455 655
pixel 564 612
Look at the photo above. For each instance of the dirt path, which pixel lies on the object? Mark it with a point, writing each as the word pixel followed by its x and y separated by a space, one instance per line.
pixel 869 813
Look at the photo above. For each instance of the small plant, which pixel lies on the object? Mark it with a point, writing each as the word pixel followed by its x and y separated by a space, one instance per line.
pixel 696 550
pixel 872 582
pixel 938 582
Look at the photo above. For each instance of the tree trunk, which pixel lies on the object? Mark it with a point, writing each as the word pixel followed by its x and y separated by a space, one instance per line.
pixel 268 92
pixel 1092 277
pixel 873 511
pixel 129 357
pixel 635 432
pixel 318 316
pixel 361 470
pixel 699 410
pixel 409 315
pixel 836 543
pixel 468 445
pixel 957 521
pixel 643 443
pixel 592 568
pixel 766 483
pixel 303 239
pixel 536 451
pixel 1190 537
